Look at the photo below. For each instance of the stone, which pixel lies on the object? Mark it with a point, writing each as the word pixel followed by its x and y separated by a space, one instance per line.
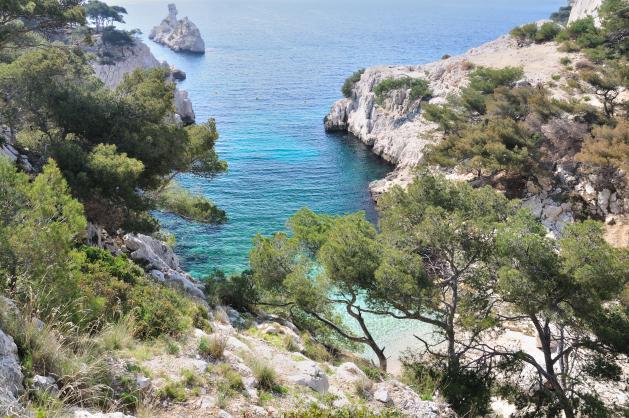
pixel 312 376
pixel 223 414
pixel 409 403
pixel 143 382
pixel 350 372
pixel 585 8
pixel 382 395
pixel 179 35
pixel 10 377
pixel 45 384
pixel 603 200
pixel 177 74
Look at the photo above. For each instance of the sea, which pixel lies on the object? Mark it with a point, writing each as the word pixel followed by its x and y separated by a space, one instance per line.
pixel 271 71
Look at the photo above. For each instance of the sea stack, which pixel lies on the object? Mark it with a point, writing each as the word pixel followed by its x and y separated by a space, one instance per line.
pixel 179 35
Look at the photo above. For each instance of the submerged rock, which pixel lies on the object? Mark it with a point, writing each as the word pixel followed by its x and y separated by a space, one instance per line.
pixel 179 35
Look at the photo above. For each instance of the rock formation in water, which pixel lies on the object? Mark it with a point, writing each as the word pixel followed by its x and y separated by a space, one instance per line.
pixel 179 35
pixel 139 56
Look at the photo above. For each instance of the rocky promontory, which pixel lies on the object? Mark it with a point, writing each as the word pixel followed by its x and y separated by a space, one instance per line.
pixel 179 35
pixel 397 130
pixel 139 56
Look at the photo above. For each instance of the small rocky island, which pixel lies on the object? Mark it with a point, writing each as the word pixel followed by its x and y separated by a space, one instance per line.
pixel 179 35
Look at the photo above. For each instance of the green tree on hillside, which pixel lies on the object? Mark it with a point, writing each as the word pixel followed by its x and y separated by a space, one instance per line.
pixel 571 292
pixel 20 19
pixel 109 144
pixel 327 263
pixel 104 15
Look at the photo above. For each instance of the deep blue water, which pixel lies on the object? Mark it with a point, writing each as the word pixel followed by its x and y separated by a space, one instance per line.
pixel 271 72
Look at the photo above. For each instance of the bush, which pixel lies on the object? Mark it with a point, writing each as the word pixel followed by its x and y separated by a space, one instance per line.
pixel 487 80
pixel 213 346
pixel 348 85
pixel 238 291
pixel 525 33
pixel 547 32
pixel 117 37
pixel 192 207
pixel 419 88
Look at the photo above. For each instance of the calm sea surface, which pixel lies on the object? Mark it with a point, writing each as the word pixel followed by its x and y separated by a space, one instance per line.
pixel 271 72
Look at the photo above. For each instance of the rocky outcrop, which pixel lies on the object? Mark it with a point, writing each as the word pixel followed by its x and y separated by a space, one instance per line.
pixel 162 264
pixel 139 56
pixel 396 130
pixel 585 8
pixel 10 377
pixel 179 35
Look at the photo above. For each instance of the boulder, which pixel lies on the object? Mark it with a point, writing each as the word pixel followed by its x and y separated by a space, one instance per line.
pixel 10 377
pixel 409 403
pixel 312 376
pixel 350 372
pixel 45 384
pixel 179 35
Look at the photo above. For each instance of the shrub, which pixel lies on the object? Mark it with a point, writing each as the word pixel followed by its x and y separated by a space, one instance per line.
pixel 117 37
pixel 232 377
pixel 547 32
pixel 348 85
pixel 238 291
pixel 265 376
pixel 487 80
pixel 608 147
pixel 192 207
pixel 525 33
pixel 213 346
pixel 419 88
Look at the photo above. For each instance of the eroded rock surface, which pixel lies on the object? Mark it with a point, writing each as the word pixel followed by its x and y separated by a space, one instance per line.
pixel 179 35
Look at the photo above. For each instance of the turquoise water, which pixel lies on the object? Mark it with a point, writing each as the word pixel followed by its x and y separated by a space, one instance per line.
pixel 271 72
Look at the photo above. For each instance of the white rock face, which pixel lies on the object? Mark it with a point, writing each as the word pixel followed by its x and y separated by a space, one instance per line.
pixel 585 8
pixel 396 129
pixel 10 376
pixel 179 35
pixel 139 56
pixel 161 263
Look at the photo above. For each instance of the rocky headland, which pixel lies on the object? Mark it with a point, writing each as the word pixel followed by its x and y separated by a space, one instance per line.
pixel 180 35
pixel 398 132
pixel 127 59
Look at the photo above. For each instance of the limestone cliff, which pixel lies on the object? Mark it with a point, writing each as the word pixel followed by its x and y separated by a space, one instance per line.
pixel 130 58
pixel 584 8
pixel 397 131
pixel 179 35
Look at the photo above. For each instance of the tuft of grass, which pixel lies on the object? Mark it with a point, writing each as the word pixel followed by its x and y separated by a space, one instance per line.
pixel 363 387
pixel 213 346
pixel 191 378
pixel 232 377
pixel 173 391
pixel 118 335
pixel 265 376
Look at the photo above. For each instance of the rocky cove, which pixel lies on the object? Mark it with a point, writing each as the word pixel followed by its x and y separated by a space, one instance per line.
pixel 221 366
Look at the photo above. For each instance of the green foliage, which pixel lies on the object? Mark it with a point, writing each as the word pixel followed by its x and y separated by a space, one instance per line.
pixel 348 85
pixel 532 33
pixel 607 83
pixel 213 346
pixel 103 15
pixel 315 411
pixel 265 376
pixel 419 88
pixel 487 80
pixel 65 112
pixel 501 144
pixel 238 291
pixel 192 207
pixel 22 18
pixel 117 37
